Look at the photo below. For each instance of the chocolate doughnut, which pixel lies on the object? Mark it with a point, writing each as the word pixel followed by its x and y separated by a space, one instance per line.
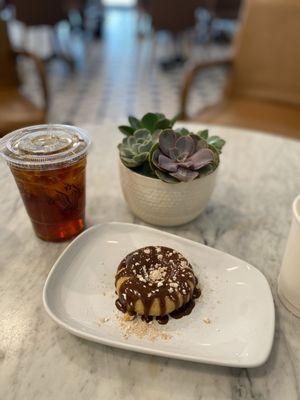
pixel 156 281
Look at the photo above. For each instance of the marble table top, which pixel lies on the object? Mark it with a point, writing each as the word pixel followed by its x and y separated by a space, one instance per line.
pixel 248 217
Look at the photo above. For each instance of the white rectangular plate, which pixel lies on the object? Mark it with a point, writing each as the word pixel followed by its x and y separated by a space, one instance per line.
pixel 232 323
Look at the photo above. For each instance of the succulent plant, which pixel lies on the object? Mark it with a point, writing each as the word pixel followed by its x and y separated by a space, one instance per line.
pixel 182 156
pixel 153 122
pixel 152 148
pixel 214 142
pixel 134 149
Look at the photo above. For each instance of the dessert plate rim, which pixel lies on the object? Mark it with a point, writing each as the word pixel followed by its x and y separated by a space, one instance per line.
pixel 151 349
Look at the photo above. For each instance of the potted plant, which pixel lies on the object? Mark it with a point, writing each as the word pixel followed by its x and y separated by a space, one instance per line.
pixel 167 175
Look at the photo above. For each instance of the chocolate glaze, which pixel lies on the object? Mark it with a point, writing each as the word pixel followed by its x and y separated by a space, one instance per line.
pixel 155 272
pixel 186 309
pixel 120 306
pixel 146 319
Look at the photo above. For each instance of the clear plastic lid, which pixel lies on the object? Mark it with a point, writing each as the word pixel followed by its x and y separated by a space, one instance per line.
pixel 44 146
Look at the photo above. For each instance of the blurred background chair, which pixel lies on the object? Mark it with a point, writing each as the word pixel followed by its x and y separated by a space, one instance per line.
pixel 226 9
pixel 79 15
pixel 118 75
pixel 178 17
pixel 221 11
pixel 173 16
pixel 16 110
pixel 33 13
pixel 263 90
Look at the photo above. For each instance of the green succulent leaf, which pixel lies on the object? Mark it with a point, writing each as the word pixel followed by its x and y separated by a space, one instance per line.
pixel 149 121
pixel 129 162
pixel 140 158
pixel 216 156
pixel 150 157
pixel 163 124
pixel 134 149
pixel 203 134
pixel 145 169
pixel 160 116
pixel 183 131
pixel 145 148
pixel 125 152
pixel 173 120
pixel 131 140
pixel 134 122
pixel 126 130
pixel 142 134
pixel 155 135
pixel 216 142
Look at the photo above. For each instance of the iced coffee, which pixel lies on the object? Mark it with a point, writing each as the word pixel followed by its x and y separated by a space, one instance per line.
pixel 48 163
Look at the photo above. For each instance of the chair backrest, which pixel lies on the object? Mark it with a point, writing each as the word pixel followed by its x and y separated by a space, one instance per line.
pixel 227 9
pixel 267 57
pixel 173 15
pixel 40 12
pixel 8 68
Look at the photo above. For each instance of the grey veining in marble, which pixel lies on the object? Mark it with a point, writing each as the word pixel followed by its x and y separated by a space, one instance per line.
pixel 248 216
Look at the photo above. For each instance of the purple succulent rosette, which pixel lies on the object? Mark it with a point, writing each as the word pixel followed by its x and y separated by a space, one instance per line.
pixel 182 158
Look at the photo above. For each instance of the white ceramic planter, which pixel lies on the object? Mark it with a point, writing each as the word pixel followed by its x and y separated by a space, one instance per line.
pixel 165 204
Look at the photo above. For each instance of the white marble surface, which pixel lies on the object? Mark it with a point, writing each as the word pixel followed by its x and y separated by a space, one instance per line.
pixel 248 216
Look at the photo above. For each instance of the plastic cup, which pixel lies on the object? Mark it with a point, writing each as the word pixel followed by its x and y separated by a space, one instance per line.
pixel 48 163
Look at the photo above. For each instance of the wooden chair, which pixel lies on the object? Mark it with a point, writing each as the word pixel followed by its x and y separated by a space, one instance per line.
pixel 263 90
pixel 35 12
pixel 16 110
pixel 174 16
pixel 226 9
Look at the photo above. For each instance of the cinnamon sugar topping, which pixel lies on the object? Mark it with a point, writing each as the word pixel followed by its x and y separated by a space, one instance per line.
pixel 138 328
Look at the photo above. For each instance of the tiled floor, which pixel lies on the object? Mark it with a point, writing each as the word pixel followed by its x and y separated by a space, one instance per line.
pixel 120 75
